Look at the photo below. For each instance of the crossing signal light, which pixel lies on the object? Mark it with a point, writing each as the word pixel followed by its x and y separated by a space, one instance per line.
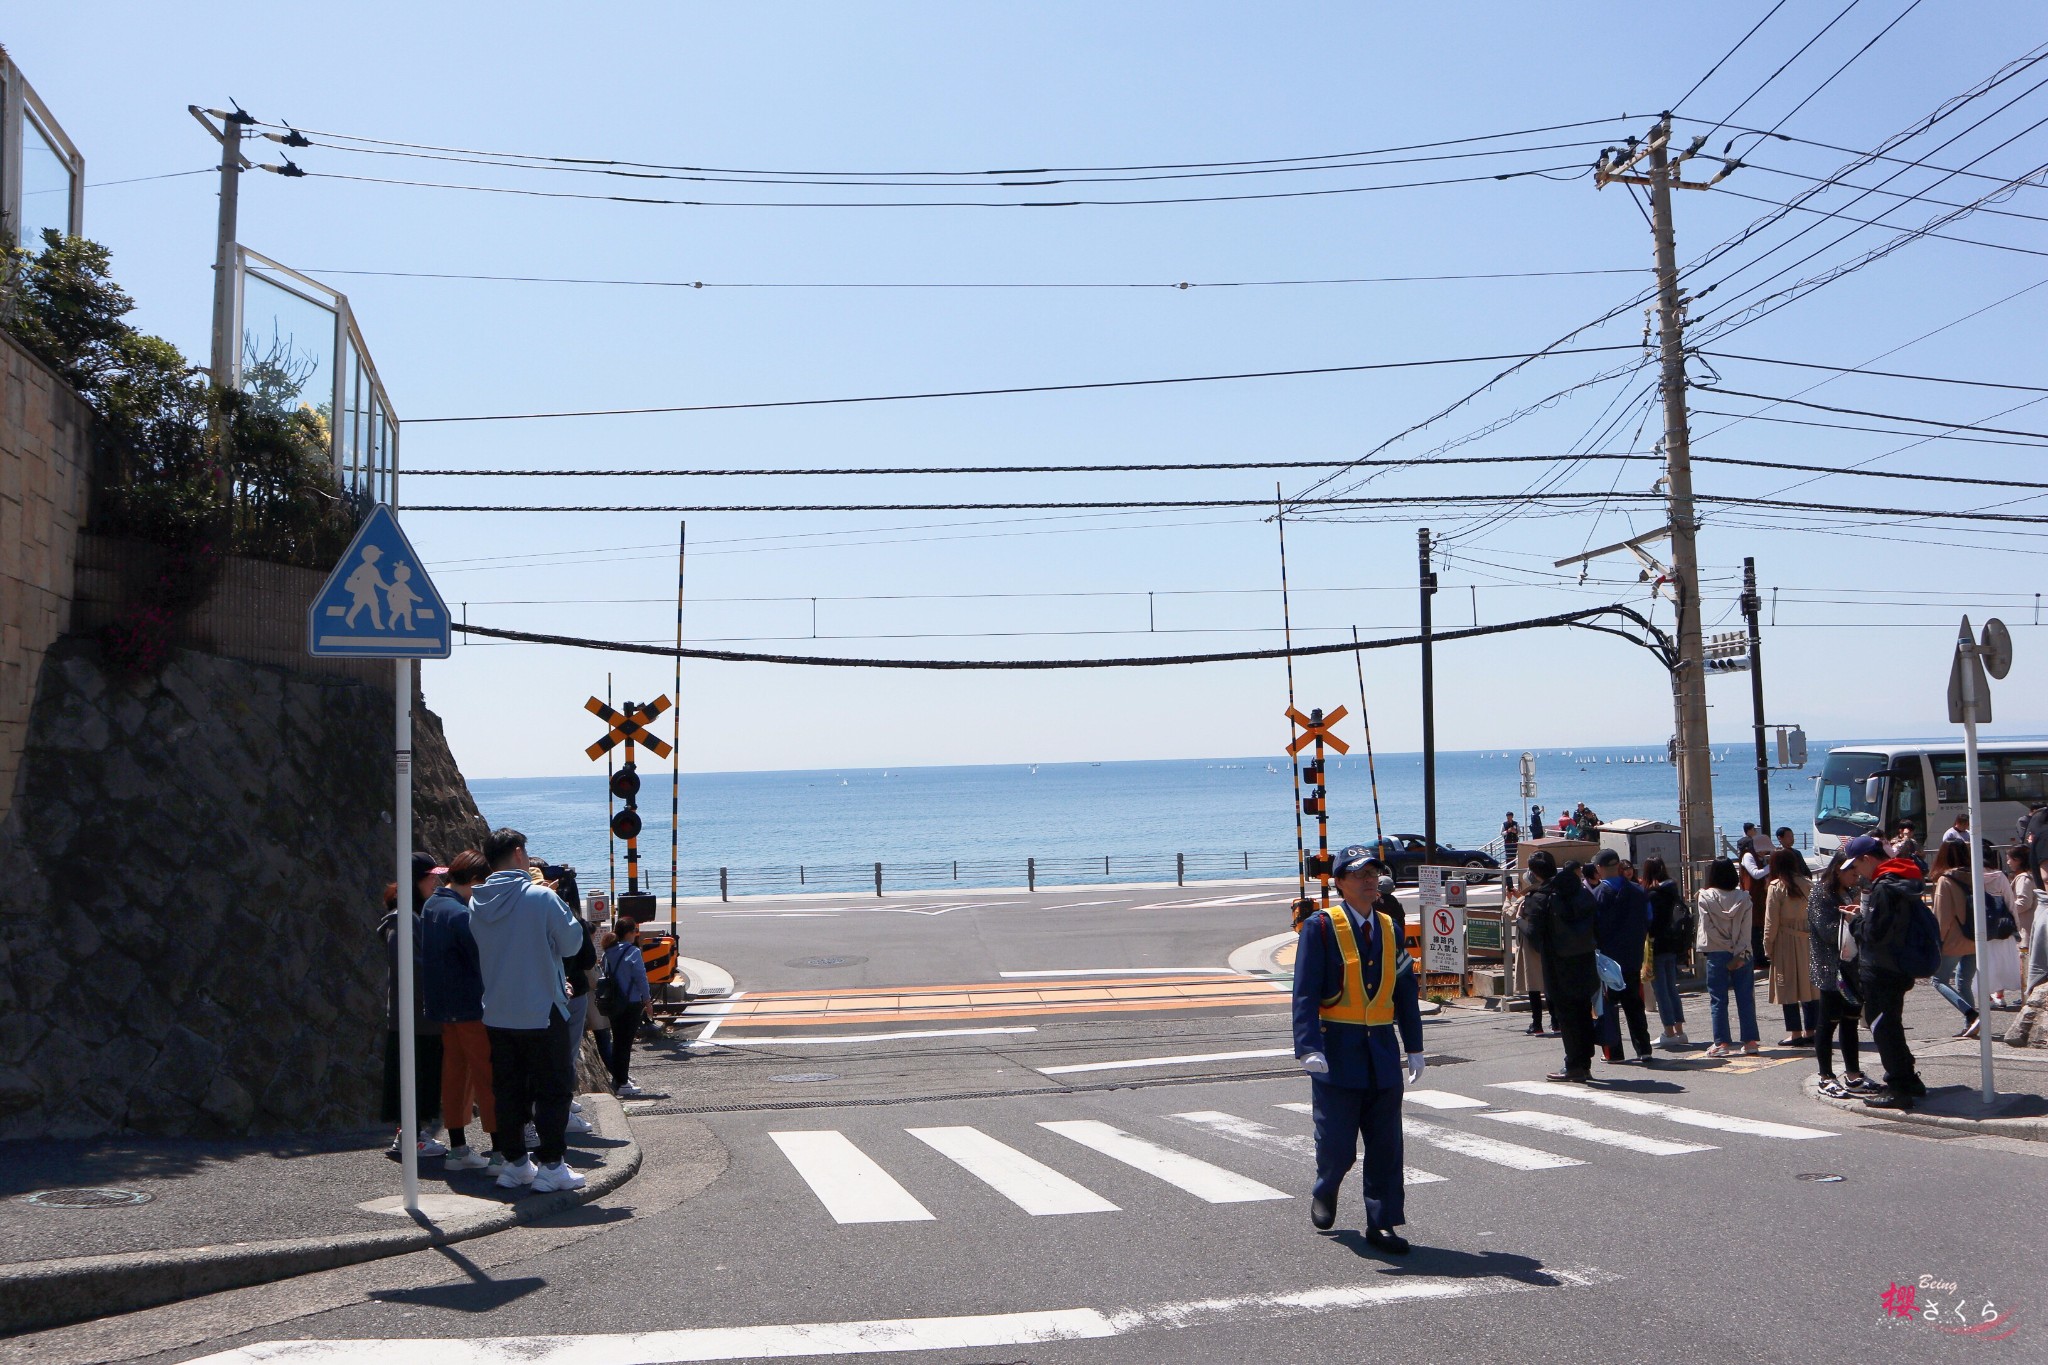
pixel 626 824
pixel 626 783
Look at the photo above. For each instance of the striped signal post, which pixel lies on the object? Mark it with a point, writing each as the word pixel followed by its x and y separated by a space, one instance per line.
pixel 1316 730
pixel 629 727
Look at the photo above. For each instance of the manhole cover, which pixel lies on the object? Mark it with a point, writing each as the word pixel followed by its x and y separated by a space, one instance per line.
pixel 94 1198
pixel 1823 1177
pixel 797 1077
pixel 837 961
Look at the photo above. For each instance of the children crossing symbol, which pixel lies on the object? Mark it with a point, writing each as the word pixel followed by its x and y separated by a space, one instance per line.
pixel 378 603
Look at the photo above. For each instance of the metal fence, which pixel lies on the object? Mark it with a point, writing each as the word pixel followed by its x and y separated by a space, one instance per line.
pixel 1033 873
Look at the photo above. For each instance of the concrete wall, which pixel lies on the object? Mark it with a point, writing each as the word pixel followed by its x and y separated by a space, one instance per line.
pixel 45 464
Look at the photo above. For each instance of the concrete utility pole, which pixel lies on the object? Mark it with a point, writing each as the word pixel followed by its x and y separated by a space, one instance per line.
pixel 1752 605
pixel 221 365
pixel 1688 679
pixel 1428 582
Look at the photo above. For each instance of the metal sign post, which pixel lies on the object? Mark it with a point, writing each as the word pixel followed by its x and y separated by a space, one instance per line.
pixel 1969 702
pixel 379 604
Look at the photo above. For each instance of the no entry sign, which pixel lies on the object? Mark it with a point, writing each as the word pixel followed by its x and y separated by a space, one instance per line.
pixel 1443 940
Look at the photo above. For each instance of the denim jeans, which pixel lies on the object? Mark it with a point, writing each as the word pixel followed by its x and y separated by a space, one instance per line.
pixel 1664 980
pixel 1720 982
pixel 1955 981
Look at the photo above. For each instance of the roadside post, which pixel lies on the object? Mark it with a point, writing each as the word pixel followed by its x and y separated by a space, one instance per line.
pixel 1442 915
pixel 1969 703
pixel 359 613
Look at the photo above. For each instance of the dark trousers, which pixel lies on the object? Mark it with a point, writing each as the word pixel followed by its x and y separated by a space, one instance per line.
pixel 1837 1017
pixel 1627 1001
pixel 426 1077
pixel 531 1078
pixel 1536 1010
pixel 1884 1000
pixel 1572 1016
pixel 1803 1017
pixel 1343 1116
pixel 625 1024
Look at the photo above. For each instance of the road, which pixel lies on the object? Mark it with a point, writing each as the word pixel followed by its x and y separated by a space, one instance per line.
pixel 1121 1175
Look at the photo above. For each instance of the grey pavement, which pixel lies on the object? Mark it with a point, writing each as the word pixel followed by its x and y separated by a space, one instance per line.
pixel 1711 1210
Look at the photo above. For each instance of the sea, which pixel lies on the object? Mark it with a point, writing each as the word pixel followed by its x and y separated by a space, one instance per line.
pixel 1072 823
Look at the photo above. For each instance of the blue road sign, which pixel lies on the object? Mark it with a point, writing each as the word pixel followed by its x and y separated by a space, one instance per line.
pixel 379 603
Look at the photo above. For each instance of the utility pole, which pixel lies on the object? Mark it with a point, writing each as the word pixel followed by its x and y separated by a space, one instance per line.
pixel 1660 172
pixel 229 134
pixel 1752 605
pixel 1428 581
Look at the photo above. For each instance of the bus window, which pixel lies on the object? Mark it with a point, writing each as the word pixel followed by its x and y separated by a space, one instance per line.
pixel 1909 796
pixel 1841 805
pixel 2024 777
pixel 1950 772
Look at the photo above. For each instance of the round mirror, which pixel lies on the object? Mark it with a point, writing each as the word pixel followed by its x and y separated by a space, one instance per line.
pixel 1996 648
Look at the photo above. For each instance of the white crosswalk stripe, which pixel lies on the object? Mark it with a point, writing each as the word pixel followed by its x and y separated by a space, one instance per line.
pixel 1443 1099
pixel 847 1181
pixel 1030 1184
pixel 1697 1118
pixel 1250 1134
pixel 1510 1154
pixel 1211 1183
pixel 1565 1126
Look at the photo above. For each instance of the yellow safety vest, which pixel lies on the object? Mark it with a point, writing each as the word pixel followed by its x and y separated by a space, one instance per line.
pixel 1351 1005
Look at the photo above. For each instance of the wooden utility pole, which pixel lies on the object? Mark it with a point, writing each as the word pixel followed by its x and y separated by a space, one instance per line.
pixel 1652 166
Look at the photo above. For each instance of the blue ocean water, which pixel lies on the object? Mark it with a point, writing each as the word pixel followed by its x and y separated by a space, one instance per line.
pixel 978 825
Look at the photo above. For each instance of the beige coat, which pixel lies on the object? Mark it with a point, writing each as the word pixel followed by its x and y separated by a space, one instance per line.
pixel 1952 911
pixel 1528 962
pixel 1789 944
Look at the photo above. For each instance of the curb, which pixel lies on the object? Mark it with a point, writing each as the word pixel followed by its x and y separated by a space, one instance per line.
pixel 1256 959
pixel 42 1294
pixel 2027 1130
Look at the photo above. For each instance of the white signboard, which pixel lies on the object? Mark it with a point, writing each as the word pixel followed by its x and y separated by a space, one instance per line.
pixel 1443 924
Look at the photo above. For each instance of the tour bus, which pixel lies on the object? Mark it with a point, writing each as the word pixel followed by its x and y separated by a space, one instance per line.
pixel 1872 788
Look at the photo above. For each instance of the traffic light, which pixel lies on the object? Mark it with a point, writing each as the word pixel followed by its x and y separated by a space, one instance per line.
pixel 1728 652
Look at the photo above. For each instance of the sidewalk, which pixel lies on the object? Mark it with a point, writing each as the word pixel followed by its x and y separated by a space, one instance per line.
pixel 109 1227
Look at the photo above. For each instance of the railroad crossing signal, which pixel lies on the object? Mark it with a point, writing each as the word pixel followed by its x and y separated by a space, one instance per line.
pixel 1315 729
pixel 628 728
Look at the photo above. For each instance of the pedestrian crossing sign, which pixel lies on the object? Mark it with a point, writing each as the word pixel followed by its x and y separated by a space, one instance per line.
pixel 378 603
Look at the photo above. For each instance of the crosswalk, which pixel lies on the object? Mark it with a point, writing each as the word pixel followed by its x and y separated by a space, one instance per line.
pixel 1052 1178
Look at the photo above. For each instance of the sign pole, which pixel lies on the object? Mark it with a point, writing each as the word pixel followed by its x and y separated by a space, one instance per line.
pixel 408 1063
pixel 1966 652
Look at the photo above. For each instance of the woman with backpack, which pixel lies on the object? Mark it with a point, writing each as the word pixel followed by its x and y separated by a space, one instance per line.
pixel 622 995
pixel 1832 964
pixel 1725 915
pixel 1955 980
pixel 1788 947
pixel 1671 930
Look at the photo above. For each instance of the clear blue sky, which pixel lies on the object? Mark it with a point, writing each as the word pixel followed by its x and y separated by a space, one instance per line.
pixel 944 87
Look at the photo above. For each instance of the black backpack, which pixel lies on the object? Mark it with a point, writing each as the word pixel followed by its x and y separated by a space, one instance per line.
pixel 1896 933
pixel 1572 914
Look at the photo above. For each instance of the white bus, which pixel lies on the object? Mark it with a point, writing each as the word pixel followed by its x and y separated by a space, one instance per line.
pixel 1872 789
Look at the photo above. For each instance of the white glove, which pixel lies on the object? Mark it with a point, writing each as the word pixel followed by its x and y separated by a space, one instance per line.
pixel 1316 1064
pixel 1416 1062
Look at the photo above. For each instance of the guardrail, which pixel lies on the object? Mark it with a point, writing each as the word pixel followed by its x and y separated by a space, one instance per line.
pixel 878 878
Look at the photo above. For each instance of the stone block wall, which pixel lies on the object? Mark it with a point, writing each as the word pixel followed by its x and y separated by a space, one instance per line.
pixel 194 868
pixel 45 481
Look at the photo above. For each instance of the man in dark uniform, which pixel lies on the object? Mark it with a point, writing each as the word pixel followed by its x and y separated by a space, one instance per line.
pixel 1353 991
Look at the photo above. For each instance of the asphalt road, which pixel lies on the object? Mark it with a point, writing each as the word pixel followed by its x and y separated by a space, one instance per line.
pixel 1085 1192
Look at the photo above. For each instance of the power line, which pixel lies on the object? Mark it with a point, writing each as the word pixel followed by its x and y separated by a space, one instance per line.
pixel 1013 389
pixel 1567 171
pixel 1857 152
pixel 1854 57
pixel 1906 197
pixel 1878 374
pixel 1182 285
pixel 1881 416
pixel 1801 52
pixel 1845 426
pixel 1877 222
pixel 1739 43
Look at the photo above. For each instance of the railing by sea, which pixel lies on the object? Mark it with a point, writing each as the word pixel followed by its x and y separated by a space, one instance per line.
pixel 880 877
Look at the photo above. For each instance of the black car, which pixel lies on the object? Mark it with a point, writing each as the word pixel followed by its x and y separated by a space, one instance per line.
pixel 1404 853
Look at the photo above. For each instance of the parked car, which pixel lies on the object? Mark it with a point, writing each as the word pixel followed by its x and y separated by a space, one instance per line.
pixel 1405 853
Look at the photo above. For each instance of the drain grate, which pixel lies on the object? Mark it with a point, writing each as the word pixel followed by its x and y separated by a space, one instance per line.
pixel 800 1077
pixel 837 961
pixel 94 1197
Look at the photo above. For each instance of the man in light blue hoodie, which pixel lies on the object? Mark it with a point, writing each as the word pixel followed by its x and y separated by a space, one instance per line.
pixel 523 931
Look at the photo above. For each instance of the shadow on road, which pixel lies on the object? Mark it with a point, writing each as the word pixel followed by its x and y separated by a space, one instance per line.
pixel 1446 1263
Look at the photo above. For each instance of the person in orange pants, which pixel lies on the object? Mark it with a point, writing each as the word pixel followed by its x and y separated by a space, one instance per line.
pixel 453 985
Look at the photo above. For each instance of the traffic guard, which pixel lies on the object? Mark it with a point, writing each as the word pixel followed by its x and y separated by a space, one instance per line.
pixel 1354 988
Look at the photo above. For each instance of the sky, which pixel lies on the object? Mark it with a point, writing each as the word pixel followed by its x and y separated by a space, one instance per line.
pixel 1860 611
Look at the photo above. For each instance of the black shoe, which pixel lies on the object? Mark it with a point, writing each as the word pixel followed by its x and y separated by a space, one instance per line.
pixel 1889 1099
pixel 1577 1077
pixel 1386 1240
pixel 1534 1030
pixel 1322 1212
pixel 1917 1088
pixel 1646 1061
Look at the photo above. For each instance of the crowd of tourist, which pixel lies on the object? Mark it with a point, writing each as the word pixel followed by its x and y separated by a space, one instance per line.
pixel 507 982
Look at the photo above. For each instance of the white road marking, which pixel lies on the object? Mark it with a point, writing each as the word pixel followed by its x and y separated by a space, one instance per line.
pixel 1082 905
pixel 784 1038
pixel 847 1181
pixel 1129 971
pixel 717 1019
pixel 1302 1148
pixel 1030 1184
pixel 1185 1060
pixel 1565 1126
pixel 1443 1099
pixel 1697 1118
pixel 1197 1177
pixel 1212 904
pixel 781 1341
pixel 1512 1155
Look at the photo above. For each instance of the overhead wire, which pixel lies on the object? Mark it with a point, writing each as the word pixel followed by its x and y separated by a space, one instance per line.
pixel 1181 285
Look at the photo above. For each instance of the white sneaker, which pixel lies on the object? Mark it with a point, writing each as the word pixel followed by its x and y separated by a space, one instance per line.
pixel 575 1106
pixel 465 1159
pixel 517 1175
pixel 628 1091
pixel 497 1162
pixel 579 1124
pixel 557 1177
pixel 433 1147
